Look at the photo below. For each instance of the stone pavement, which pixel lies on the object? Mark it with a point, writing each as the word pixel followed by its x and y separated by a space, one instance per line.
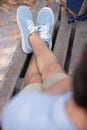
pixel 9 38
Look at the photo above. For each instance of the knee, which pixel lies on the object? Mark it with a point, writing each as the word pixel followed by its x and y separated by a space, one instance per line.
pixel 51 69
pixel 35 78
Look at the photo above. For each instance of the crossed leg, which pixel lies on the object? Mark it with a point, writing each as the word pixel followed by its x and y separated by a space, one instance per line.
pixel 33 75
pixel 44 65
pixel 47 63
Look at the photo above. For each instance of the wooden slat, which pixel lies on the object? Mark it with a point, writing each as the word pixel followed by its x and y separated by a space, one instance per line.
pixel 56 10
pixel 62 40
pixel 9 81
pixel 19 84
pixel 40 4
pixel 80 40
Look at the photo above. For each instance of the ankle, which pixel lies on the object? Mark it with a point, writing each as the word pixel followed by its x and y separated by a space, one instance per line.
pixel 32 38
pixel 36 40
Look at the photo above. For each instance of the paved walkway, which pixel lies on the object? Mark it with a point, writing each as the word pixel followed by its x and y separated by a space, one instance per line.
pixel 9 38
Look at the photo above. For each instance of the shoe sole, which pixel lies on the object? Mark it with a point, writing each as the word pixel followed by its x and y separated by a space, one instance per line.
pixel 21 30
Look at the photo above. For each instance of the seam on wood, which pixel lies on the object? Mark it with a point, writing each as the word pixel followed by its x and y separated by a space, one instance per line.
pixel 69 51
pixel 62 40
pixel 56 27
pixel 24 69
pixel 57 17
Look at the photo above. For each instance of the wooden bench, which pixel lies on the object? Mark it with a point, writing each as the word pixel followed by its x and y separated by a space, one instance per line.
pixel 68 43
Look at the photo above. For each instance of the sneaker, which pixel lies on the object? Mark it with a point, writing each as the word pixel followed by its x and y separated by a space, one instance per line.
pixel 45 22
pixel 26 26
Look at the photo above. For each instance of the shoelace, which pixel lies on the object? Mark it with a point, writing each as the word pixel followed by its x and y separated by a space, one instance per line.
pixel 31 26
pixel 43 31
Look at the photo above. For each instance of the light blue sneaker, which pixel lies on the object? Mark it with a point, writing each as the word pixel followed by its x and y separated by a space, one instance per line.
pixel 26 26
pixel 45 22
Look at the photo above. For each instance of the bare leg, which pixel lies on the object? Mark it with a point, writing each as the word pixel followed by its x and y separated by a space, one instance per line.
pixel 32 74
pixel 48 65
pixel 47 62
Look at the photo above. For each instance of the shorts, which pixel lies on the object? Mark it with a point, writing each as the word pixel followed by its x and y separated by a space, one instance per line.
pixel 46 84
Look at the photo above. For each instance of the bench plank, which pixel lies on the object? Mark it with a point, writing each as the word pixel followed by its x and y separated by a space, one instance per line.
pixel 56 10
pixel 9 81
pixel 80 40
pixel 62 40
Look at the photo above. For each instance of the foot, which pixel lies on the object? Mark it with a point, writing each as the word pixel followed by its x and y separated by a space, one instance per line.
pixel 45 22
pixel 26 26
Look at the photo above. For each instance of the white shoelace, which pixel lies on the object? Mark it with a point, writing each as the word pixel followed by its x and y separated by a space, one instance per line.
pixel 43 32
pixel 42 29
pixel 31 26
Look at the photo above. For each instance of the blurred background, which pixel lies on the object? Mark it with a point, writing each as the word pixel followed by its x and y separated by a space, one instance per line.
pixel 13 4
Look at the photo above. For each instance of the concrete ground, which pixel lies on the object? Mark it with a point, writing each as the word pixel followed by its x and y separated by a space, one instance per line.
pixel 9 38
